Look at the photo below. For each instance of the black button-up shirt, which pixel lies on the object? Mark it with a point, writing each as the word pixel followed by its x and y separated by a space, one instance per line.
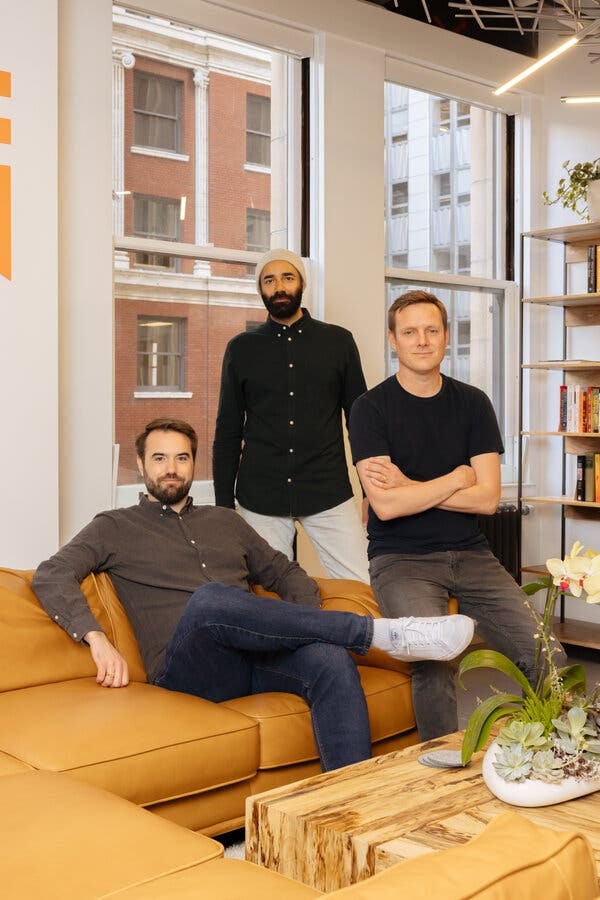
pixel 279 424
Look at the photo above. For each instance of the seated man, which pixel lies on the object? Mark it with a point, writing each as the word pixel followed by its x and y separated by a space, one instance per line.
pixel 182 573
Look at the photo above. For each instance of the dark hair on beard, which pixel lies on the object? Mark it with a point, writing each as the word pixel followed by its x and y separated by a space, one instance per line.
pixel 165 424
pixel 408 299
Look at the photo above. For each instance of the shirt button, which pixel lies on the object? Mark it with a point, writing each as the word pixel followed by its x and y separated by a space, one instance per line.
pixel 291 393
pixel 289 339
pixel 278 334
pixel 291 421
pixel 74 634
pixel 192 542
pixel 291 365
pixel 289 480
pixel 203 565
pixel 299 331
pixel 164 507
pixel 291 449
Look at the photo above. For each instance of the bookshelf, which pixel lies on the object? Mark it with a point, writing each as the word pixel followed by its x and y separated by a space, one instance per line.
pixel 579 310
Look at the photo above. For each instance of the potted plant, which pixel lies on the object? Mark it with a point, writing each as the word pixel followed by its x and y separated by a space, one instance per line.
pixel 549 750
pixel 579 190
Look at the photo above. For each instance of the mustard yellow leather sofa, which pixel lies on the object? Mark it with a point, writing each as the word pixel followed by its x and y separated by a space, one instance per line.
pixel 189 760
pixel 62 839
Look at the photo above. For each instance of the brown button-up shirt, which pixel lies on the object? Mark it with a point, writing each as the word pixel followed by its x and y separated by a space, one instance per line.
pixel 156 559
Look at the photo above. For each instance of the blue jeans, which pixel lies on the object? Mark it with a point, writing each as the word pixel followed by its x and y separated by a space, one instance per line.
pixel 230 643
pixel 419 585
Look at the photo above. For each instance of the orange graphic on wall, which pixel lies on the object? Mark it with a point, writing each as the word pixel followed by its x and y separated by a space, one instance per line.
pixel 5 188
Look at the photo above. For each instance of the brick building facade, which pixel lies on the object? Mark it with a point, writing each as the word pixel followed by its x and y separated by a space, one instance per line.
pixel 191 147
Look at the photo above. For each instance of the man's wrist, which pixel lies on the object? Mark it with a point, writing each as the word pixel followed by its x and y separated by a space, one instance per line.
pixel 92 637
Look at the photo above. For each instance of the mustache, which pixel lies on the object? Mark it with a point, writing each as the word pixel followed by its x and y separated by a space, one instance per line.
pixel 282 295
pixel 172 477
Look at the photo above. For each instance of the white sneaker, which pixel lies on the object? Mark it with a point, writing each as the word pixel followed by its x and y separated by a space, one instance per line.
pixel 439 638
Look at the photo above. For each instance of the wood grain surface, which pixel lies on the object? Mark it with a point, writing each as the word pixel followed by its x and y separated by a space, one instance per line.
pixel 341 827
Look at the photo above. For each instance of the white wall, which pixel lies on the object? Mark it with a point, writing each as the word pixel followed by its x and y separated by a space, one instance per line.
pixel 29 301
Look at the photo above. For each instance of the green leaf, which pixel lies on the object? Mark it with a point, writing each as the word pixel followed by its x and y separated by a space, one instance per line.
pixel 484 715
pixel 491 659
pixel 534 586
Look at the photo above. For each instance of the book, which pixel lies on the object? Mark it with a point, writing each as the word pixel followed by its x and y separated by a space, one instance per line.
pixel 580 483
pixel 592 255
pixel 588 478
pixel 562 408
pixel 597 477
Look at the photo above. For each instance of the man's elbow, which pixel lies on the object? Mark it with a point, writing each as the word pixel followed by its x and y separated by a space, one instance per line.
pixel 382 510
pixel 489 506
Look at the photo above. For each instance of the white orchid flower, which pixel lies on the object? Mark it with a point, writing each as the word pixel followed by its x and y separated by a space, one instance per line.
pixel 573 573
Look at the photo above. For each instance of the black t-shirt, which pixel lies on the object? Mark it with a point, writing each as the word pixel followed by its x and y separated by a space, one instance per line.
pixel 426 437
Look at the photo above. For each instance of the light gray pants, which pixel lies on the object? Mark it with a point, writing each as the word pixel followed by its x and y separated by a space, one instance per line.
pixel 419 585
pixel 337 535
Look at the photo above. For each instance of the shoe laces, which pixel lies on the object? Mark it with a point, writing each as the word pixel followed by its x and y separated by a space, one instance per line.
pixel 418 633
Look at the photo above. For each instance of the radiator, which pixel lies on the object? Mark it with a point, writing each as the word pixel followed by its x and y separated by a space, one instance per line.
pixel 503 533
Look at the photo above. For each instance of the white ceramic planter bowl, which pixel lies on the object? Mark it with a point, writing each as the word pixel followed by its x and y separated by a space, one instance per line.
pixel 532 792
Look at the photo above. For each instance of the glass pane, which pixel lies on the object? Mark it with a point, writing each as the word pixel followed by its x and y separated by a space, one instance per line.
pixel 449 159
pixel 475 348
pixel 174 314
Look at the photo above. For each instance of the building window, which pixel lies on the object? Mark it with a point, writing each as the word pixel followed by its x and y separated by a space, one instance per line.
pixel 156 217
pixel 157 111
pixel 399 198
pixel 160 353
pixel 258 130
pixel 442 190
pixel 258 229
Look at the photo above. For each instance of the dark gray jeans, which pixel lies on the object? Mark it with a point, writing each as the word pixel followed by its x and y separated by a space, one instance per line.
pixel 419 585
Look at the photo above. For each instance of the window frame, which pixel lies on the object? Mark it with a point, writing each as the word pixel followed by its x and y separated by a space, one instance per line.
pixel 255 163
pixel 180 323
pixel 176 117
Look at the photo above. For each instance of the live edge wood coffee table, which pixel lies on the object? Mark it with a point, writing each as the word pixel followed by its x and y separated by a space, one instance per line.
pixel 341 827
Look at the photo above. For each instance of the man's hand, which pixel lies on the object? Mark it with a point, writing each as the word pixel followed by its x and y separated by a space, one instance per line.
pixel 112 668
pixel 382 473
pixel 466 477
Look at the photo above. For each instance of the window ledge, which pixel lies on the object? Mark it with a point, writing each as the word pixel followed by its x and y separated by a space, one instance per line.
pixel 163 154
pixel 254 167
pixel 163 395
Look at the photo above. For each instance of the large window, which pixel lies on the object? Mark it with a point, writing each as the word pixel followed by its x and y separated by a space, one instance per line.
pixel 448 225
pixel 258 130
pixel 193 184
pixel 160 354
pixel 157 111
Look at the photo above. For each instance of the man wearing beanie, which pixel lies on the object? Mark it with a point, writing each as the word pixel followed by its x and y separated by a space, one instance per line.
pixel 278 446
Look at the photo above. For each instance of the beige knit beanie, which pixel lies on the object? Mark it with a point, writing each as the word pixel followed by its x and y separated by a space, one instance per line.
pixel 287 256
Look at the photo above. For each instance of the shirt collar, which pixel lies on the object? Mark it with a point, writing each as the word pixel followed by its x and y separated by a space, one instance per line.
pixel 155 508
pixel 304 322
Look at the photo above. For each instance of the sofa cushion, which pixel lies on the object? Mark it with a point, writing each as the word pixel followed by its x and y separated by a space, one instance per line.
pixel 286 735
pixel 142 742
pixel 225 879
pixel 511 858
pixel 10 766
pixel 63 839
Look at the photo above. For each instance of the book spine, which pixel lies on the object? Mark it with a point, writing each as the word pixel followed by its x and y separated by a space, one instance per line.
pixel 580 483
pixel 588 478
pixel 562 413
pixel 597 477
pixel 591 268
